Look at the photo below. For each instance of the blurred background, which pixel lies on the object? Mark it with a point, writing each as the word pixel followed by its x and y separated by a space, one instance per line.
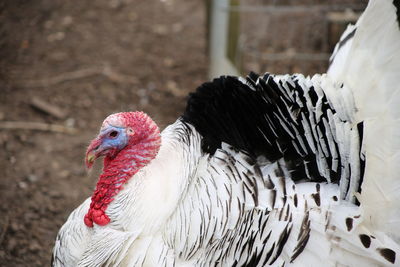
pixel 66 65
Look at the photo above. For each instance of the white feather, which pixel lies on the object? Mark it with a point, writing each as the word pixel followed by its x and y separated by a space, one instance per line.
pixel 371 70
pixel 189 208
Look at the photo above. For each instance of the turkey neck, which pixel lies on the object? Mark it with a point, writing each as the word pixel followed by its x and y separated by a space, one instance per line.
pixel 116 173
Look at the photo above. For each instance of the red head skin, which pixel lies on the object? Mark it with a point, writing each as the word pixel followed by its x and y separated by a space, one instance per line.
pixel 128 141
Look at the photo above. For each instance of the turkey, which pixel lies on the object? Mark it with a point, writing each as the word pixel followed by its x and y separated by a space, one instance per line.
pixel 270 170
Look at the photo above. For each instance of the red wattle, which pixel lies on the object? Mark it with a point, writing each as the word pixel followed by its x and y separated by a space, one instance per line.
pixel 88 221
pixel 100 218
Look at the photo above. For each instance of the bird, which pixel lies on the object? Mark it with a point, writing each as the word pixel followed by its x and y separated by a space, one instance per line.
pixel 266 170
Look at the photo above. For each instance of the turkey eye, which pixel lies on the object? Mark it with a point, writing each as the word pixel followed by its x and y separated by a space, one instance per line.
pixel 113 134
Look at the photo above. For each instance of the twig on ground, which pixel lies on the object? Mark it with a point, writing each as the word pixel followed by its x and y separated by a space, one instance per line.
pixel 48 108
pixel 118 77
pixel 36 126
pixel 79 74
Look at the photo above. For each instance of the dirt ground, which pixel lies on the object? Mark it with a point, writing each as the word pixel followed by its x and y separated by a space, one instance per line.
pixel 86 59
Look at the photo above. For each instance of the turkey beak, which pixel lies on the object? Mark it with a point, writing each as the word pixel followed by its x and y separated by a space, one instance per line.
pixel 92 152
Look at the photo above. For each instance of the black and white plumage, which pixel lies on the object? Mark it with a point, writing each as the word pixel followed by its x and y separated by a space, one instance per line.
pixel 268 170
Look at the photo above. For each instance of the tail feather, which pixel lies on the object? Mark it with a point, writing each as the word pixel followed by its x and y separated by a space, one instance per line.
pixel 371 71
pixel 372 66
pixel 341 50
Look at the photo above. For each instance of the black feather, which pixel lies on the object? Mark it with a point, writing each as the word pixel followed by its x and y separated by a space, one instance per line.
pixel 256 117
pixel 226 110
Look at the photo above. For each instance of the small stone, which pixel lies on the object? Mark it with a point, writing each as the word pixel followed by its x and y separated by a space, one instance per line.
pixel 70 122
pixel 160 29
pixel 64 173
pixel 169 62
pixel 171 85
pixel 173 88
pixel 32 178
pixel 14 227
pixel 55 165
pixel 23 185
pixel 67 20
pixel 13 160
pixel 58 36
pixel 115 3
pixel 34 246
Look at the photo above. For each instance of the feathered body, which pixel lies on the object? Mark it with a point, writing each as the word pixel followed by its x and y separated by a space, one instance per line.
pixel 264 171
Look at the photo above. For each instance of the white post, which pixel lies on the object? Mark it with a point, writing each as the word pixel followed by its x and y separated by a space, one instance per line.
pixel 219 62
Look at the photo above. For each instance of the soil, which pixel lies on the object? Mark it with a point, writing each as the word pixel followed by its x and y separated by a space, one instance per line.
pixel 153 53
pixel 84 59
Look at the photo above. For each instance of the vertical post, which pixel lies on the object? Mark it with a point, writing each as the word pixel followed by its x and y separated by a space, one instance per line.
pixel 233 52
pixel 219 62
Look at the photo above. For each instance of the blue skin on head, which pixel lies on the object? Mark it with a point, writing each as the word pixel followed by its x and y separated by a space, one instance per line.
pixel 114 138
